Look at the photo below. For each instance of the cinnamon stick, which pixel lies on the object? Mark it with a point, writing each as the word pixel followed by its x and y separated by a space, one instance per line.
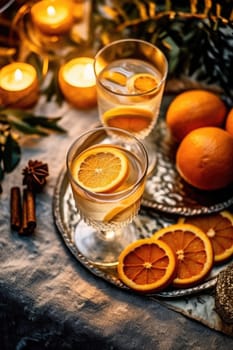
pixel 16 208
pixel 23 228
pixel 29 212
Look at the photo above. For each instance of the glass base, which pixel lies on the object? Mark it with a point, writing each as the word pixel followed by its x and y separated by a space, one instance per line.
pixel 101 251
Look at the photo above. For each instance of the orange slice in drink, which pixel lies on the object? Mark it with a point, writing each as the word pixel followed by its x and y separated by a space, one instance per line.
pixel 147 265
pixel 100 168
pixel 219 228
pixel 127 207
pixel 193 250
pixel 115 77
pixel 144 82
pixel 132 119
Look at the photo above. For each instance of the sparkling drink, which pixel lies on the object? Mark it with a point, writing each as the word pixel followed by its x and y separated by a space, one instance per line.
pixel 116 207
pixel 130 79
pixel 107 169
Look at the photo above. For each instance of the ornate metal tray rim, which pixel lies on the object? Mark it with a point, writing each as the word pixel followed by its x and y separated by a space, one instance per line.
pixel 108 274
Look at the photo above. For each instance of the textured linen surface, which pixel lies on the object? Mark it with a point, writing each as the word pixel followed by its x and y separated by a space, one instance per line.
pixel 48 300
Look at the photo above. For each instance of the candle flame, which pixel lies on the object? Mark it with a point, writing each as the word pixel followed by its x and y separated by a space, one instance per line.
pixel 89 72
pixel 18 75
pixel 51 11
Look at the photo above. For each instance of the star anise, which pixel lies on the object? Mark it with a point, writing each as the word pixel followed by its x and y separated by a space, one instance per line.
pixel 34 175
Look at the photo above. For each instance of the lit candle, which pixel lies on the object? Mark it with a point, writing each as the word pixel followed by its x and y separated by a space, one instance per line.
pixel 19 85
pixel 52 16
pixel 77 82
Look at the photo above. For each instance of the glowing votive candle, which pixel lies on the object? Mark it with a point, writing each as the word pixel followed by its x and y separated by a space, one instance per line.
pixel 19 85
pixel 52 17
pixel 77 82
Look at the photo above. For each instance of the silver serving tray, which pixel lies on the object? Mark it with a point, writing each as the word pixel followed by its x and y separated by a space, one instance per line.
pixel 66 220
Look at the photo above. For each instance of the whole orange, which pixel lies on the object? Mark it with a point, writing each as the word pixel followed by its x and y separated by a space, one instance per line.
pixel 204 158
pixel 229 122
pixel 194 109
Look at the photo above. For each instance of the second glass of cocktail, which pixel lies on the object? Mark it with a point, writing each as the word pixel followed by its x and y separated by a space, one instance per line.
pixel 130 77
pixel 107 169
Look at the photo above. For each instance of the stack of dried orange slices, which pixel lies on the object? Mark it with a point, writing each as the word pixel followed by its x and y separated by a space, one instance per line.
pixel 189 251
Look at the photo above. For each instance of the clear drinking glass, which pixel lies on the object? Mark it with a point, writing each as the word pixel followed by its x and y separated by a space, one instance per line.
pixel 130 77
pixel 105 226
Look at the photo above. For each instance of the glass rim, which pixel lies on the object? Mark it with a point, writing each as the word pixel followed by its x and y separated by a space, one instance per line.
pixel 139 41
pixel 102 128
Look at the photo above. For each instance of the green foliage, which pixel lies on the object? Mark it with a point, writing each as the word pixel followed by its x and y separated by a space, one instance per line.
pixel 16 121
pixel 28 123
pixel 10 155
pixel 196 36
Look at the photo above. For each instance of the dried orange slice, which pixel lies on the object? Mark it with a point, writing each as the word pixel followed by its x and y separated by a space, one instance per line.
pixel 146 265
pixel 219 228
pixel 193 250
pixel 132 119
pixel 100 168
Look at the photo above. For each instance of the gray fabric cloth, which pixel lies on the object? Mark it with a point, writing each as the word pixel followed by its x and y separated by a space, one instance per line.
pixel 48 300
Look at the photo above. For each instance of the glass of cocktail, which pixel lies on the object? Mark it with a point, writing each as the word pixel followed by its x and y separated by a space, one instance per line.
pixel 130 77
pixel 107 169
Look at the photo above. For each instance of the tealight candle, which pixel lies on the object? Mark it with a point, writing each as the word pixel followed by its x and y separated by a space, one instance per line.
pixel 77 82
pixel 52 17
pixel 19 85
